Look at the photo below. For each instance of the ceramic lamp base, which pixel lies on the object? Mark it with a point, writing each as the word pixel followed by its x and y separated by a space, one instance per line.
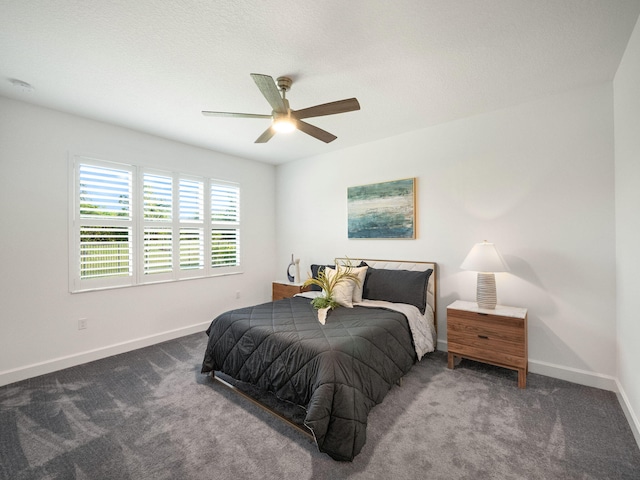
pixel 486 291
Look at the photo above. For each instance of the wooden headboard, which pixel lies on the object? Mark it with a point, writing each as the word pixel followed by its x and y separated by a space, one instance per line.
pixel 432 286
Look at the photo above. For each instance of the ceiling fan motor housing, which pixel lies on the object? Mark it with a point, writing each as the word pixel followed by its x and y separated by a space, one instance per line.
pixel 284 83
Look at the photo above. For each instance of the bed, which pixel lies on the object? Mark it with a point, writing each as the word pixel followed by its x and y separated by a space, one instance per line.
pixel 340 370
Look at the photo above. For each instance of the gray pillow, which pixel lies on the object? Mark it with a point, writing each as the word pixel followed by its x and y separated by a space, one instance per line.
pixel 397 286
pixel 315 270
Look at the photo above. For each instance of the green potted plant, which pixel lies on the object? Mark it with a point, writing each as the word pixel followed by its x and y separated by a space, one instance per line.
pixel 328 282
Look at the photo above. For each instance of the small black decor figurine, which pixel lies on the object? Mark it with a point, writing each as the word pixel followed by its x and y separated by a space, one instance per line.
pixel 291 276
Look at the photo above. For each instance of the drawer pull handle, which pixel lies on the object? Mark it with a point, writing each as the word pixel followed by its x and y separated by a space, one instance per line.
pixel 483 336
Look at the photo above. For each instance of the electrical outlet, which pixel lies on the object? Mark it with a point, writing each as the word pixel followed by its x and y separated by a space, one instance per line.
pixel 238 294
pixel 82 324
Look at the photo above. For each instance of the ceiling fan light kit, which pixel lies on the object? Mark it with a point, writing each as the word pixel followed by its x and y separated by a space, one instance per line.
pixel 283 123
pixel 284 119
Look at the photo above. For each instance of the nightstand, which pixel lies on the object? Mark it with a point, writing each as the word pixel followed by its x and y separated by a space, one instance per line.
pixel 498 336
pixel 286 289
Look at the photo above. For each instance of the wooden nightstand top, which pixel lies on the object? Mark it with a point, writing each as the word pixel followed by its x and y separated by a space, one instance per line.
pixel 287 282
pixel 501 310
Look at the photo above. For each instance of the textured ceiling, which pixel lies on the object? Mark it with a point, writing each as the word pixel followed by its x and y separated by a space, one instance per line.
pixel 153 65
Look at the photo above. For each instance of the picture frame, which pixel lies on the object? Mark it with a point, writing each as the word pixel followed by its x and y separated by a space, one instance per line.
pixel 382 210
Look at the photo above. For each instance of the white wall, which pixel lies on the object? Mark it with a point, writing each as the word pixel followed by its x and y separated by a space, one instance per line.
pixel 627 166
pixel 38 315
pixel 536 179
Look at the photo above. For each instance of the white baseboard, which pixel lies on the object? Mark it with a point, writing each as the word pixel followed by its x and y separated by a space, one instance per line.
pixel 36 369
pixel 628 412
pixel 574 375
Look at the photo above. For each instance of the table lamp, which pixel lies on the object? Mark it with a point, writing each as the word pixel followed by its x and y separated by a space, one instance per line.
pixel 485 259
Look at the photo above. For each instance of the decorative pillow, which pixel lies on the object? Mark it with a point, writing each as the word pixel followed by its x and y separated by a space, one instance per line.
pixel 361 273
pixel 315 271
pixel 342 291
pixel 397 286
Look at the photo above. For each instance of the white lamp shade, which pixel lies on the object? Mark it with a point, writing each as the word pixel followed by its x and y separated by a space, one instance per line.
pixel 484 257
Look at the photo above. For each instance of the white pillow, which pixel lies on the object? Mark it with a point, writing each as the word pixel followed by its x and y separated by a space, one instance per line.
pixel 343 290
pixel 361 273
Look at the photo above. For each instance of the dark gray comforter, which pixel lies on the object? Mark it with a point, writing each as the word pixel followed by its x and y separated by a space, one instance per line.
pixel 337 371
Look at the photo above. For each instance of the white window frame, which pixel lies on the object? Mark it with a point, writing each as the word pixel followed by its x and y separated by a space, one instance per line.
pixel 137 222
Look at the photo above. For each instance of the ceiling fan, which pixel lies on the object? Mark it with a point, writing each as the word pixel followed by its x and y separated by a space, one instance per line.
pixel 284 118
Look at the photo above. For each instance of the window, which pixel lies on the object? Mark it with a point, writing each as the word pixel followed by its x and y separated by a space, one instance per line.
pixel 132 225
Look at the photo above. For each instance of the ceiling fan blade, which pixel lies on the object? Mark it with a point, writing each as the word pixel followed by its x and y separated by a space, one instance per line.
pixel 237 115
pixel 315 132
pixel 266 136
pixel 270 91
pixel 341 106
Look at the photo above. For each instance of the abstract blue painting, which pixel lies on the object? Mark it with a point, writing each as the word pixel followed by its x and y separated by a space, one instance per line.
pixel 382 210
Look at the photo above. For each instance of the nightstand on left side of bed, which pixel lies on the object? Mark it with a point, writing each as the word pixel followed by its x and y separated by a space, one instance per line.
pixel 286 289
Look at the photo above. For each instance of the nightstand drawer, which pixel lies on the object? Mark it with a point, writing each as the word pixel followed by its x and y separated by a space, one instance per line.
pixel 497 327
pixel 487 332
pixel 485 342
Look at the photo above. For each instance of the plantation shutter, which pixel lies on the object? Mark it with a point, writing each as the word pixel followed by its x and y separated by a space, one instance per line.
pixel 103 228
pixel 191 249
pixel 105 251
pixel 158 197
pixel 225 225
pixel 158 228
pixel 191 226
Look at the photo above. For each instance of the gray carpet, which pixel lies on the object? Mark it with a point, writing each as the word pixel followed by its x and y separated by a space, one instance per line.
pixel 150 414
